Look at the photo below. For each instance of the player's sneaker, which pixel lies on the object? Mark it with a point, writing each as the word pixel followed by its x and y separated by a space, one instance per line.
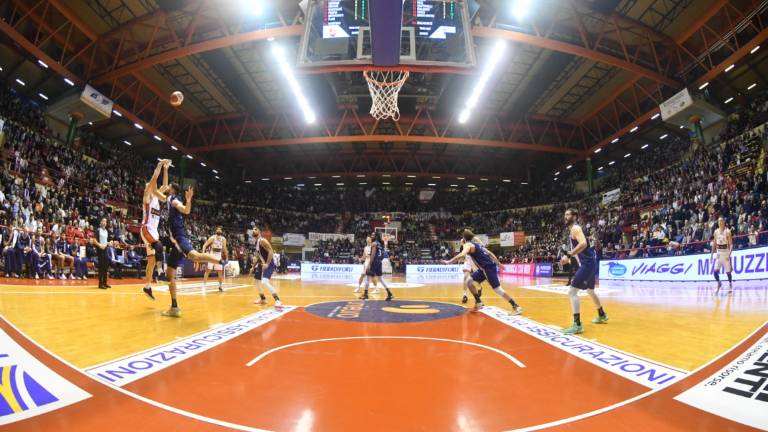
pixel 357 290
pixel 364 296
pixel 389 297
pixel 38 277
pixel 601 319
pixel 375 290
pixel 574 329
pixel 260 302
pixel 278 305
pixel 172 312
pixel 221 289
pixel 478 307
pixel 517 310
pixel 50 277
pixel 719 285
pixel 730 287
pixel 148 292
pixel 464 299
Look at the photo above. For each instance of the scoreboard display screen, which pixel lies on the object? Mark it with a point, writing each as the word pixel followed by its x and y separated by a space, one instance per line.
pixel 433 19
pixel 434 32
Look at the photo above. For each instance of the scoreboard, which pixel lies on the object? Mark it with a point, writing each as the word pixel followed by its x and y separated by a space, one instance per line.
pixel 434 33
pixel 433 19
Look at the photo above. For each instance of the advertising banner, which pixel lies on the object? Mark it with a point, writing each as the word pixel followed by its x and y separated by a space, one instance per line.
pixel 331 269
pixel 517 269
pixel 97 101
pixel 432 269
pixel 543 270
pixel 748 264
pixel 515 238
pixel 293 239
pixel 330 236
pixel 611 196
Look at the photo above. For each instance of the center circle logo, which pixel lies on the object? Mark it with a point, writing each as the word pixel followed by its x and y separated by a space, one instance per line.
pixel 379 311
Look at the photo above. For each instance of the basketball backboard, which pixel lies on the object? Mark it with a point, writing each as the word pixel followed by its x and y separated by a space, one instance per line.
pixel 434 33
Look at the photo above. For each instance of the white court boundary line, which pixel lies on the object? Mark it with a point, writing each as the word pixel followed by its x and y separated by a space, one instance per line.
pixel 636 398
pixel 282 347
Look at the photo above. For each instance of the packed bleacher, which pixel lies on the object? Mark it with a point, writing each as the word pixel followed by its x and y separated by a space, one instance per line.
pixel 671 196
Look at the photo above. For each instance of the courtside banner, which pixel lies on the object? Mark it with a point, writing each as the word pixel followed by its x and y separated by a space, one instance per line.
pixel 331 269
pixel 290 239
pixel 27 387
pixel 633 368
pixel 137 366
pixel 432 269
pixel 517 269
pixel 739 391
pixel 747 264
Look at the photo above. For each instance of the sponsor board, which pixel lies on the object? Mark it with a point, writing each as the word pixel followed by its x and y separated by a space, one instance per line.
pixel 641 371
pixel 137 366
pixel 747 264
pixel 738 391
pixel 543 269
pixel 611 196
pixel 517 269
pixel 514 238
pixel 379 311
pixel 28 388
pixel 433 269
pixel 331 269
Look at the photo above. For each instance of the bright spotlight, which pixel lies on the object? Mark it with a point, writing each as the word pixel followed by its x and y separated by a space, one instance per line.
pixel 287 72
pixel 521 8
pixel 493 60
pixel 253 7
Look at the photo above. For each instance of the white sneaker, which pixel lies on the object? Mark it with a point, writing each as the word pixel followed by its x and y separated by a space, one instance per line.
pixel 37 277
pixel 517 310
pixel 173 312
pixel 50 276
pixel 278 304
pixel 260 302
pixel 71 276
pixel 357 290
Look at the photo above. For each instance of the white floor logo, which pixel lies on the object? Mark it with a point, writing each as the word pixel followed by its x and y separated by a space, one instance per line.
pixel 563 289
pixel 197 288
pixel 392 285
pixel 739 391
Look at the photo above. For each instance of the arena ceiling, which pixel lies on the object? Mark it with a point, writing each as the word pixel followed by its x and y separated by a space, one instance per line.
pixel 581 74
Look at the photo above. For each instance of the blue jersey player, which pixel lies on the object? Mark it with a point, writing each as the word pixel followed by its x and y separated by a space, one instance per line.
pixel 487 270
pixel 584 278
pixel 374 268
pixel 264 267
pixel 182 247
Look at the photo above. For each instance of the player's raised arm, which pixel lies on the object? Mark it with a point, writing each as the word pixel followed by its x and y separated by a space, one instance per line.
pixel 184 208
pixel 151 187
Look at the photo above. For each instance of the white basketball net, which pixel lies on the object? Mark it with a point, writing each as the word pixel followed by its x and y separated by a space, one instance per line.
pixel 384 87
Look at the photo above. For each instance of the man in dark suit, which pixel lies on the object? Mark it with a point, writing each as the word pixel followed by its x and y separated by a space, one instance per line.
pixel 113 255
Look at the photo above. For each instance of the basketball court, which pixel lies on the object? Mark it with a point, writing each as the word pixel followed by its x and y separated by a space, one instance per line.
pixel 675 355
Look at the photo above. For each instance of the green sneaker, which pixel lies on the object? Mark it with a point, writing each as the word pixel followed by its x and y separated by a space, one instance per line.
pixel 600 319
pixel 574 329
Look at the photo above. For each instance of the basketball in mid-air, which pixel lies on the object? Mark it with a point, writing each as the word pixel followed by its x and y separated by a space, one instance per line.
pixel 177 98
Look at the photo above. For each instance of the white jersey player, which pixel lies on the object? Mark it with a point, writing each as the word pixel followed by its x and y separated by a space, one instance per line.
pixel 218 246
pixel 723 246
pixel 469 267
pixel 366 260
pixel 151 220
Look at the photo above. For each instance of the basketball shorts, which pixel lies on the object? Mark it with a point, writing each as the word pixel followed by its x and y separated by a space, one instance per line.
pixel 490 274
pixel 181 247
pixel 468 266
pixel 262 273
pixel 151 240
pixel 723 261
pixel 375 269
pixel 215 267
pixel 585 276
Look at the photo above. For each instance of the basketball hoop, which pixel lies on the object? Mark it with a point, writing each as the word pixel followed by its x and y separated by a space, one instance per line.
pixel 384 86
